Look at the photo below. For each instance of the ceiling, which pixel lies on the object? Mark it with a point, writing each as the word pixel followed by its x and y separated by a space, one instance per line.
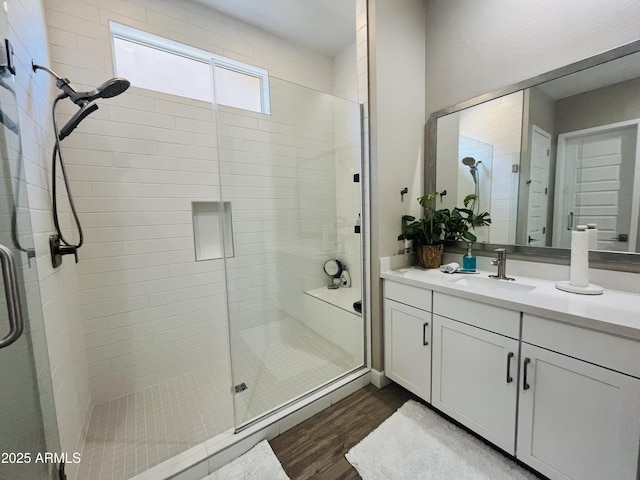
pixel 326 26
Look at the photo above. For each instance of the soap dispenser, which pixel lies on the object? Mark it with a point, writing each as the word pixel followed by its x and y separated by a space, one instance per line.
pixel 345 278
pixel 469 261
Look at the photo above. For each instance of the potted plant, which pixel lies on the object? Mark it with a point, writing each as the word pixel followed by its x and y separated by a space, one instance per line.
pixel 429 233
pixel 463 220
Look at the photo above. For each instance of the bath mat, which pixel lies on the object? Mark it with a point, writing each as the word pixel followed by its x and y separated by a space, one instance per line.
pixel 416 443
pixel 259 463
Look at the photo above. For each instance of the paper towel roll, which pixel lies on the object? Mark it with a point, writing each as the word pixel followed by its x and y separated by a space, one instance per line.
pixel 579 271
pixel 592 228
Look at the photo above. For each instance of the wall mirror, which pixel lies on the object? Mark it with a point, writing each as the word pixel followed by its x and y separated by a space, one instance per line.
pixel 547 154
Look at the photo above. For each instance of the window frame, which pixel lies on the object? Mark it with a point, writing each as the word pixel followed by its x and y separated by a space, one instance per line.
pixel 150 40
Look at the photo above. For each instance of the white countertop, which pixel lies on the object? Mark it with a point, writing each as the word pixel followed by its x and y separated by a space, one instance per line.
pixel 613 312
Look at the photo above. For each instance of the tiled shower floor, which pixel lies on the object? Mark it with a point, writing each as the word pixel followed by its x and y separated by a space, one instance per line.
pixel 133 433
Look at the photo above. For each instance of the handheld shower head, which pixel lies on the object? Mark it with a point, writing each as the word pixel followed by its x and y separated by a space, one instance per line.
pixel 84 100
pixel 86 109
pixel 108 89
pixel 473 167
pixel 469 162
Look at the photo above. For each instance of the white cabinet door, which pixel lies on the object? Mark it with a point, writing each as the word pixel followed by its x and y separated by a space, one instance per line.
pixel 475 379
pixel 407 350
pixel 577 420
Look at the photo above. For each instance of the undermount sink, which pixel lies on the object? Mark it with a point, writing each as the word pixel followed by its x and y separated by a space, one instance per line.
pixel 492 284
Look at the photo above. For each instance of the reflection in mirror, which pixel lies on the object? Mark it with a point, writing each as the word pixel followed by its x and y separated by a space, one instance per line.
pixel 489 134
pixel 550 157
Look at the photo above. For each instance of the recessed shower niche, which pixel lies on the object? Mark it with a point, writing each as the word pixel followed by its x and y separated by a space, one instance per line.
pixel 208 221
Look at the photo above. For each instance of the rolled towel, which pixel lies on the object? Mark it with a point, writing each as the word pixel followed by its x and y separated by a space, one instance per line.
pixel 450 267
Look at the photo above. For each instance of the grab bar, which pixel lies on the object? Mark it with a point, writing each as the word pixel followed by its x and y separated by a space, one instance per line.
pixel 16 323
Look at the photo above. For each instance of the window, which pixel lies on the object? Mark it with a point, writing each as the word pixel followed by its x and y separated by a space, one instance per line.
pixel 156 63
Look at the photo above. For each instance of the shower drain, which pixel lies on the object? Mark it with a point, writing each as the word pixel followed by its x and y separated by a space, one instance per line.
pixel 240 388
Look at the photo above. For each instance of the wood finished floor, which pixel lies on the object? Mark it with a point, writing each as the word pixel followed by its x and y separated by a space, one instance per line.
pixel 316 447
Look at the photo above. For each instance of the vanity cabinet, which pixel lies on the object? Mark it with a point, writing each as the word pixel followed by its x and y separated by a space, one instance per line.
pixel 578 418
pixel 561 398
pixel 475 369
pixel 407 338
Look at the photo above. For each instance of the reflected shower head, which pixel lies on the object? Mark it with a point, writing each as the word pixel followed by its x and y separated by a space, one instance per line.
pixel 469 162
pixel 473 167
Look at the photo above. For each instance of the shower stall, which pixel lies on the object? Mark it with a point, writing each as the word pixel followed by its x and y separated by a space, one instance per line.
pixel 198 310
pixel 201 279
pixel 204 302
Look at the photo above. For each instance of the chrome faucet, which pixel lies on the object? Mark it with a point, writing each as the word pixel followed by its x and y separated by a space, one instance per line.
pixel 501 263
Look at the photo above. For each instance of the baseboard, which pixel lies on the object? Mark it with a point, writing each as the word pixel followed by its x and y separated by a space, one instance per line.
pixel 378 378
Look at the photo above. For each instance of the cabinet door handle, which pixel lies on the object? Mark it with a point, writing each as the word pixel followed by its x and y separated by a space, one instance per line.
pixel 509 357
pixel 424 334
pixel 525 385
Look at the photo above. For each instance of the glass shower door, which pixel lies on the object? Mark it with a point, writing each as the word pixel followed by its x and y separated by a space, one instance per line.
pixel 28 424
pixel 290 180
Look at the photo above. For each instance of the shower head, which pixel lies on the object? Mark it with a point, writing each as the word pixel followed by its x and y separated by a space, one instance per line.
pixel 85 100
pixel 473 167
pixel 469 162
pixel 108 89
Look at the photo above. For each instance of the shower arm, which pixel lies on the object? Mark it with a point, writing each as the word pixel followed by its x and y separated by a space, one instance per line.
pixel 62 83
pixel 36 67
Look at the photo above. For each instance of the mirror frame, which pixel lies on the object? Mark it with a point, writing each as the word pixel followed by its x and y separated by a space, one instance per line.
pixel 600 259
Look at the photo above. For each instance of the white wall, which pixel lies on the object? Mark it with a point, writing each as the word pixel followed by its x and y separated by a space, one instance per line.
pixel 472 48
pixel 58 288
pixel 477 47
pixel 397 71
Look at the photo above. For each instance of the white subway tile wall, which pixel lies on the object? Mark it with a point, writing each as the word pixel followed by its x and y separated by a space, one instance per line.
pixel 498 123
pixel 281 180
pixel 285 209
pixel 138 162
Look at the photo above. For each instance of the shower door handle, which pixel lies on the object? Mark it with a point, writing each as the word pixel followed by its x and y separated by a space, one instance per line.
pixel 16 324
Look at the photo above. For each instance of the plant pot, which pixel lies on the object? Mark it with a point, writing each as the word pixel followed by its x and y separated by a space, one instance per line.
pixel 430 256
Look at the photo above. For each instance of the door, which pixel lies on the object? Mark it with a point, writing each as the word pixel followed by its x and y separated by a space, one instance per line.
pixel 598 188
pixel 577 420
pixel 28 423
pixel 407 352
pixel 475 379
pixel 538 187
